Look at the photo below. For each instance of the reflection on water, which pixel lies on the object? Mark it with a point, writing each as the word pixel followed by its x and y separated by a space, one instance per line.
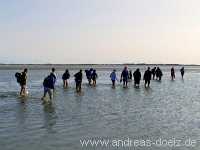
pixel 21 114
pixel 148 91
pixel 49 117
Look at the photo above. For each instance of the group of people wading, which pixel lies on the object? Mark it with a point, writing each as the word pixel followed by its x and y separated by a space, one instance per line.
pixel 91 74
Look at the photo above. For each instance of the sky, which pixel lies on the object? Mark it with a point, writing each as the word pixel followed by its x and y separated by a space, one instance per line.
pixel 100 31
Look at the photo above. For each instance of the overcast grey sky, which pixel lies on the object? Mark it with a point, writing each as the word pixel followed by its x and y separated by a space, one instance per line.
pixel 100 31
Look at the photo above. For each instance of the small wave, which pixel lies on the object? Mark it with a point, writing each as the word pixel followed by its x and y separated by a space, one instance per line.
pixel 9 94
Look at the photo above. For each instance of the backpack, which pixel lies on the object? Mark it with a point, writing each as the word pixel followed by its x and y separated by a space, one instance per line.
pixel 18 76
pixel 68 75
pixel 64 76
pixel 49 82
pixel 46 81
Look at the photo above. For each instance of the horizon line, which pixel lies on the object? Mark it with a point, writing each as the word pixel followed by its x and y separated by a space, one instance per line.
pixel 101 64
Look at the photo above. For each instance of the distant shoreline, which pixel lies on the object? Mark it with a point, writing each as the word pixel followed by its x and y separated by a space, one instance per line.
pixel 83 66
pixel 103 64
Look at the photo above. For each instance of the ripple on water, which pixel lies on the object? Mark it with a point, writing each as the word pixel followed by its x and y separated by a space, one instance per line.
pixel 167 109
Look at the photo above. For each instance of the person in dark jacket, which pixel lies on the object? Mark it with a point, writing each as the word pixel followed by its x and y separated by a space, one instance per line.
pixel 147 77
pixel 88 74
pixel 172 73
pixel 94 77
pixel 159 74
pixel 153 72
pixel 182 70
pixel 137 77
pixel 53 72
pixel 130 76
pixel 65 77
pixel 54 75
pixel 124 77
pixel 49 85
pixel 23 81
pixel 78 79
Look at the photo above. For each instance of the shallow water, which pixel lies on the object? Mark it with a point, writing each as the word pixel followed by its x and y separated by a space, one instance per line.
pixel 169 109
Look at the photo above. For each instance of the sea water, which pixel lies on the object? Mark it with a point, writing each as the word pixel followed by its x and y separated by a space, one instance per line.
pixel 166 111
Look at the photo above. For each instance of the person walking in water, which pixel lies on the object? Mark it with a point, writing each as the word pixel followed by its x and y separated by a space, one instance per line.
pixel 124 77
pixel 53 74
pixel 159 74
pixel 113 78
pixel 65 77
pixel 130 76
pixel 89 75
pixel 172 73
pixel 182 70
pixel 49 85
pixel 78 79
pixel 137 77
pixel 153 71
pixel 22 80
pixel 94 77
pixel 147 77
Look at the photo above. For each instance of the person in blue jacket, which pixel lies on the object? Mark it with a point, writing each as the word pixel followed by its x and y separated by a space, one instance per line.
pixel 113 78
pixel 49 85
pixel 89 75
